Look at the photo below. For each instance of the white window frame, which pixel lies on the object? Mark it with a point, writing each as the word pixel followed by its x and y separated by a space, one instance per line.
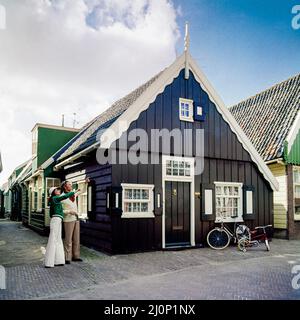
pixel 190 103
pixel 296 184
pixel 172 177
pixel 240 201
pixel 82 199
pixel 150 201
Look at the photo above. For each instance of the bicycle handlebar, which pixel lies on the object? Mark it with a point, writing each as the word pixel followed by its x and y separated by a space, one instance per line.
pixel 263 227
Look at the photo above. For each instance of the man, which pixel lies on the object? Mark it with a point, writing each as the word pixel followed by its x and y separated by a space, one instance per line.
pixel 71 225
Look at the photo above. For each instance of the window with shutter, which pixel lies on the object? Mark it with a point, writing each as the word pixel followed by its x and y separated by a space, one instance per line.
pixel 229 201
pixel 186 110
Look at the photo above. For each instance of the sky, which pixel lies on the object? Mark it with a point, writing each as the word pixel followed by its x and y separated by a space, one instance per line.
pixel 78 56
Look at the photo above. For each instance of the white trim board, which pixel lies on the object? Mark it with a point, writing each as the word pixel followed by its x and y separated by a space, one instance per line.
pixel 293 132
pixel 157 87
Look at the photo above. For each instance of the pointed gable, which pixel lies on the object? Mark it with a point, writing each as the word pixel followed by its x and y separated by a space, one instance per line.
pixel 129 108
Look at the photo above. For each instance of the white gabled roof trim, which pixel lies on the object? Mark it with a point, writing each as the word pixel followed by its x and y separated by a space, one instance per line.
pixel 228 117
pixel 156 88
pixel 21 175
pixel 293 132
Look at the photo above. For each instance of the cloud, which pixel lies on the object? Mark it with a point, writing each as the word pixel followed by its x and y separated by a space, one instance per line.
pixel 64 56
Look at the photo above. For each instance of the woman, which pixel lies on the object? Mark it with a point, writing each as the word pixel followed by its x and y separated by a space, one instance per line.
pixel 55 249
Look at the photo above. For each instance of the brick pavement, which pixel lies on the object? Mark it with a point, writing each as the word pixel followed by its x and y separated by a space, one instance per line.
pixel 189 274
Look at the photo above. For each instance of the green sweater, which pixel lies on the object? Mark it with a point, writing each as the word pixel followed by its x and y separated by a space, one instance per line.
pixel 56 209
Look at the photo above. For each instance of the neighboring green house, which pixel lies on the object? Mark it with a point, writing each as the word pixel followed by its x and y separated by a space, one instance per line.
pixel 271 119
pixel 14 193
pixel 46 141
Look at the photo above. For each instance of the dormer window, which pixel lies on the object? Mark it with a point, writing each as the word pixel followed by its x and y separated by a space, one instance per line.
pixel 186 110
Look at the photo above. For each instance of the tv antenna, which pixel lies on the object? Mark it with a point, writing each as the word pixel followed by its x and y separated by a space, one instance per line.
pixel 75 122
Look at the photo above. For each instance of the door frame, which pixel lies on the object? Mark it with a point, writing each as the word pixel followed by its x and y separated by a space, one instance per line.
pixel 190 180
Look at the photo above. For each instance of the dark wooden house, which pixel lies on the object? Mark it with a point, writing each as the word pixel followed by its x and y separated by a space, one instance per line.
pixel 152 206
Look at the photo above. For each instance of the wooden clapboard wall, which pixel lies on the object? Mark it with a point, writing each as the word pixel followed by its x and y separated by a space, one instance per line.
pixel 225 160
pixel 96 232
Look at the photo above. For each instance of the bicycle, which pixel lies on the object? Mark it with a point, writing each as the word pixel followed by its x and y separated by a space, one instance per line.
pixel 220 237
pixel 255 239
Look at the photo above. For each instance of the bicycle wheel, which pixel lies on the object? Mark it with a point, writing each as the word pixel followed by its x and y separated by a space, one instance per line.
pixel 267 245
pixel 218 239
pixel 243 244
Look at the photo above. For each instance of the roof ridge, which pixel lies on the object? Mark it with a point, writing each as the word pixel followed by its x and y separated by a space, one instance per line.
pixel 266 90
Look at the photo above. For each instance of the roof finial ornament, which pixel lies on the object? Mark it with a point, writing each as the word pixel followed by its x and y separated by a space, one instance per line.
pixel 186 50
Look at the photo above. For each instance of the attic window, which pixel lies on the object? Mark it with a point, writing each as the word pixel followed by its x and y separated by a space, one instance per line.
pixel 186 110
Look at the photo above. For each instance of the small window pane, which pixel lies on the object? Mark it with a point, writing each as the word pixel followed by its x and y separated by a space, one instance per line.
pixel 136 194
pixel 145 194
pixel 188 173
pixel 136 207
pixel 127 207
pixel 144 207
pixel 218 190
pixel 235 202
pixel 128 194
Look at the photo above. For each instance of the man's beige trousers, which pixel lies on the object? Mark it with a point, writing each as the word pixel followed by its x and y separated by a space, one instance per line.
pixel 72 240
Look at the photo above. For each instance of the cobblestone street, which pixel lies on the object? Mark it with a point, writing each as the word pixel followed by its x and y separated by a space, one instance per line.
pixel 189 274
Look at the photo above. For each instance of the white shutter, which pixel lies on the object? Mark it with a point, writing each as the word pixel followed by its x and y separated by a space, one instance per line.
pixel 208 194
pixel 249 202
